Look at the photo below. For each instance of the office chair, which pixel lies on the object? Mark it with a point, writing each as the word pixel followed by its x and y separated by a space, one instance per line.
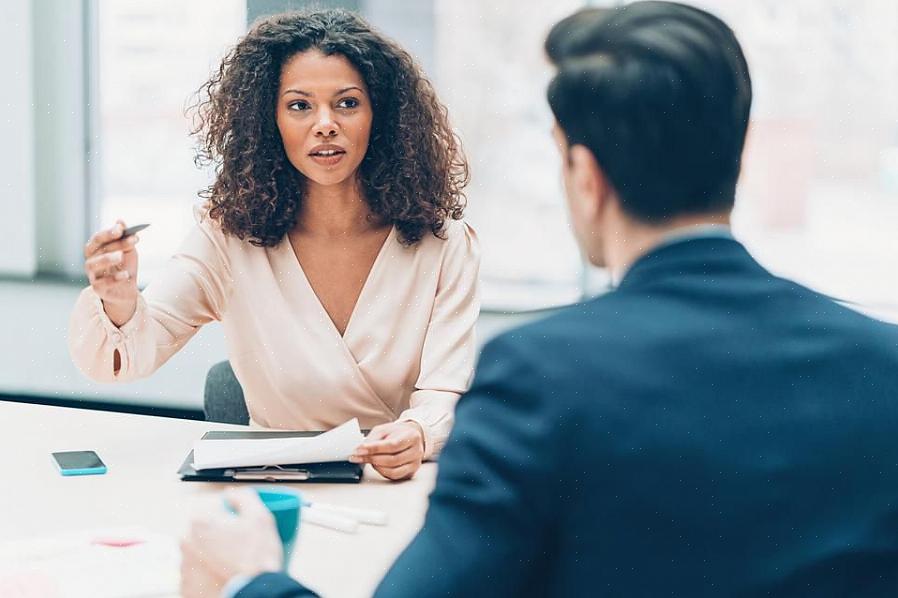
pixel 223 397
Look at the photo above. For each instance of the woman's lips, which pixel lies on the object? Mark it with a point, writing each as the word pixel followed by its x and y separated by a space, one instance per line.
pixel 327 158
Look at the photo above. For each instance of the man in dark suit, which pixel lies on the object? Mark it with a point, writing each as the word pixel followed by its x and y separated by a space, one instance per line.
pixel 707 428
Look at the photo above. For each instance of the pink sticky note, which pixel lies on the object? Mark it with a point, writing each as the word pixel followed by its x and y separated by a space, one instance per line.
pixel 117 542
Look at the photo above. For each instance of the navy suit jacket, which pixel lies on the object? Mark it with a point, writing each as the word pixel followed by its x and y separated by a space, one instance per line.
pixel 707 429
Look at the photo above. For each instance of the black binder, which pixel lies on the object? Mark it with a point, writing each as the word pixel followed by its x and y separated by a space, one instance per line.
pixel 336 472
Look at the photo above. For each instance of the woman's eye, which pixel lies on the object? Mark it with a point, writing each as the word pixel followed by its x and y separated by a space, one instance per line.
pixel 299 105
pixel 348 103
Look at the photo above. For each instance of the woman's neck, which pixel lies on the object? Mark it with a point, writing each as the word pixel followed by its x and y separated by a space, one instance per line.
pixel 334 210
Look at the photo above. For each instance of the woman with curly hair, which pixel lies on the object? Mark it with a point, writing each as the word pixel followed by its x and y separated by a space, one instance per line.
pixel 329 245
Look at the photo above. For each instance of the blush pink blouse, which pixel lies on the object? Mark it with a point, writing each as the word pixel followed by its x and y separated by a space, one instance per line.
pixel 407 353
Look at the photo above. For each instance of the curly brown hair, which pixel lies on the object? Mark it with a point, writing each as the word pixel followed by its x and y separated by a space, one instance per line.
pixel 412 174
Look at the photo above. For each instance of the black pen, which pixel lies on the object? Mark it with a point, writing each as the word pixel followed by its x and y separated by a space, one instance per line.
pixel 132 230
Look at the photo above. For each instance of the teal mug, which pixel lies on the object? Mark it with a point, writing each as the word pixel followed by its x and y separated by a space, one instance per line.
pixel 284 505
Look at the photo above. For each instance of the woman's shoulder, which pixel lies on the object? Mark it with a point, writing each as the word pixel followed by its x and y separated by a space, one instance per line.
pixel 456 240
pixel 457 229
pixel 226 242
pixel 454 234
pixel 219 249
pixel 460 237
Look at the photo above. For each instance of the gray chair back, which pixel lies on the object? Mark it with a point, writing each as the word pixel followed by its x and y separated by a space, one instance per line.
pixel 223 397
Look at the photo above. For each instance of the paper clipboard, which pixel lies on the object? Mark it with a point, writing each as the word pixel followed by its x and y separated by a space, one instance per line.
pixel 338 472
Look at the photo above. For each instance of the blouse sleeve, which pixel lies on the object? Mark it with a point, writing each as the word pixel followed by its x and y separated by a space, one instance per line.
pixel 192 290
pixel 447 359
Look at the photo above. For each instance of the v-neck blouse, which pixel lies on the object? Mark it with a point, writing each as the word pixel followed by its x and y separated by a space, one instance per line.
pixel 407 353
pixel 372 273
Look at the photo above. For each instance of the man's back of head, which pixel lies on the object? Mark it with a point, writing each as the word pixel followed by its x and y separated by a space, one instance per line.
pixel 660 94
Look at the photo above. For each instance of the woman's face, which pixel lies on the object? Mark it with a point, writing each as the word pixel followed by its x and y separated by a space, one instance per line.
pixel 324 116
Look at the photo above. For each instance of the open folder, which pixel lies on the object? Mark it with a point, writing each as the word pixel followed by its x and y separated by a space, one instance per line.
pixel 272 456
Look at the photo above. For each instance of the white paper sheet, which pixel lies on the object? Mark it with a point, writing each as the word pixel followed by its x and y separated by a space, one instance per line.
pixel 336 445
pixel 91 564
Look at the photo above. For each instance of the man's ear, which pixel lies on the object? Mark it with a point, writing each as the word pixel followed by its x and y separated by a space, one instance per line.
pixel 588 181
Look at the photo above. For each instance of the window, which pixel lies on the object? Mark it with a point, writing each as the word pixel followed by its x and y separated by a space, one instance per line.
pixel 492 74
pixel 818 199
pixel 152 58
pixel 16 151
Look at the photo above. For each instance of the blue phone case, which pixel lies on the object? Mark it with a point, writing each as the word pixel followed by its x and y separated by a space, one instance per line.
pixel 71 463
pixel 86 471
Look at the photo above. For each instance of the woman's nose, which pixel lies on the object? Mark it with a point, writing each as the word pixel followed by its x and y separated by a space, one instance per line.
pixel 325 126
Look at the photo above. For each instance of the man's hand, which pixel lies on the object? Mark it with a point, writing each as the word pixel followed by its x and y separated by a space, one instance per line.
pixel 223 545
pixel 396 450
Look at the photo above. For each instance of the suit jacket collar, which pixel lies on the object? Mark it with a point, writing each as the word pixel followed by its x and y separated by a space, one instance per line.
pixel 699 255
pixel 680 235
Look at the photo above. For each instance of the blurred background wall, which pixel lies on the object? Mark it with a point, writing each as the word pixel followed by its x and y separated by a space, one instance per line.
pixel 95 129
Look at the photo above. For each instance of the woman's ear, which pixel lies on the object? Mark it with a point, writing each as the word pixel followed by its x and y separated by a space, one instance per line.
pixel 589 185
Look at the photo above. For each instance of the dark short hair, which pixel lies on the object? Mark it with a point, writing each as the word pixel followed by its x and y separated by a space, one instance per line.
pixel 413 173
pixel 572 35
pixel 660 93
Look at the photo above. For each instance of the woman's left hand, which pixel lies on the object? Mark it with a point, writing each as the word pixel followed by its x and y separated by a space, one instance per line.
pixel 396 450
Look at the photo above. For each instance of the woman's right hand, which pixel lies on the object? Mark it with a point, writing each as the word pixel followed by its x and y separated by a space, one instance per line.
pixel 111 266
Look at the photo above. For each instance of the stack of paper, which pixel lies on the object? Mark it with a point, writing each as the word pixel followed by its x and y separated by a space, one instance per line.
pixel 335 445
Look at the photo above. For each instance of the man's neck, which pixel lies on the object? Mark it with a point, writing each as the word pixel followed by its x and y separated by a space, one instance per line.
pixel 635 239
pixel 334 210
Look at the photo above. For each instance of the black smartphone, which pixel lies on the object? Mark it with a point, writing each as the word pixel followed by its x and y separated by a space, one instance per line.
pixel 79 463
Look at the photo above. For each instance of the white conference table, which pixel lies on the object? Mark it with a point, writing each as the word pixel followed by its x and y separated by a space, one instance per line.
pixel 141 488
